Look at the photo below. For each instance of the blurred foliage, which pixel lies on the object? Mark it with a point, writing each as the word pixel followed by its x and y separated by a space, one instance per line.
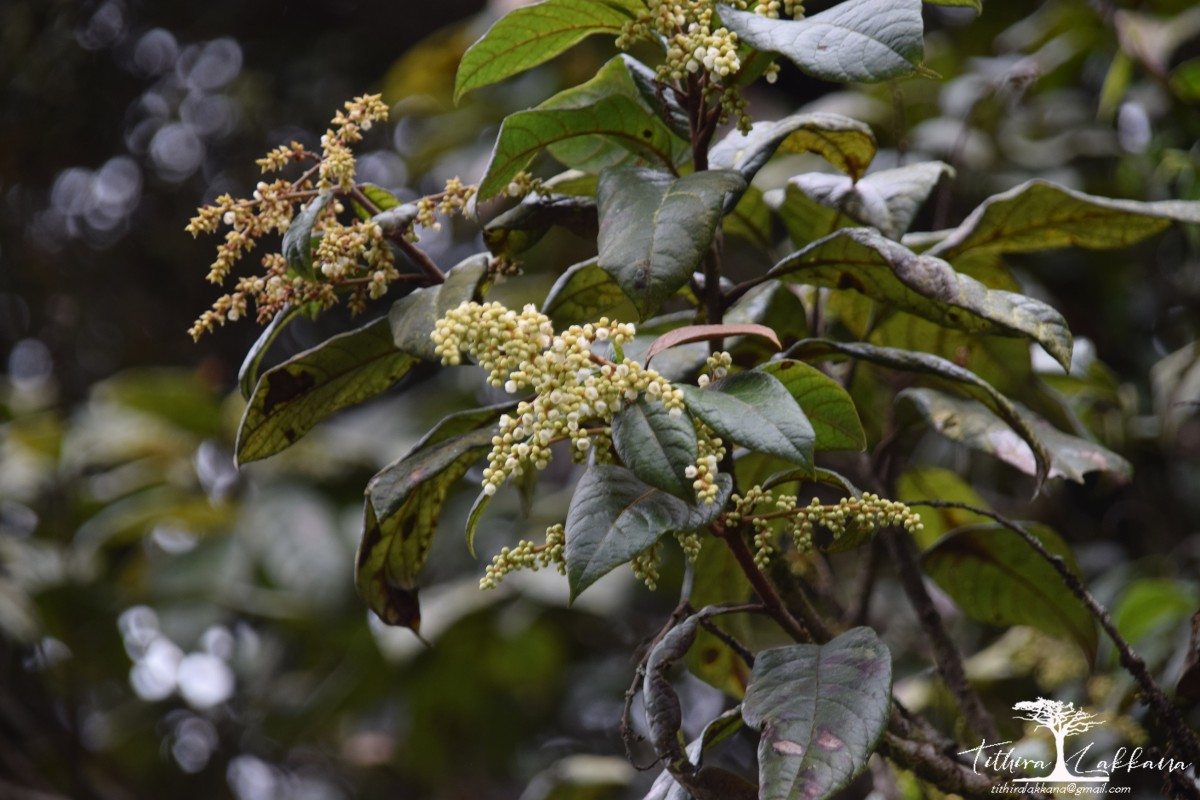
pixel 170 626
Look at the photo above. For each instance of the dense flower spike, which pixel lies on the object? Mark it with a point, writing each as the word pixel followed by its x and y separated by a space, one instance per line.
pixel 527 555
pixel 576 392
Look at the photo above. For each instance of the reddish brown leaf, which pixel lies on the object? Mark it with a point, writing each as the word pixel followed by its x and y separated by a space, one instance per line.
pixel 704 333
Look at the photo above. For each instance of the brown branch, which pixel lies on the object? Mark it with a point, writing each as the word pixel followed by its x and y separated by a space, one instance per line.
pixel 415 254
pixel 1181 736
pixel 945 653
pixel 762 587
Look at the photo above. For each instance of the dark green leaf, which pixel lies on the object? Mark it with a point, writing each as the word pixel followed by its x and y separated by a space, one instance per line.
pixel 858 40
pixel 523 226
pixel 585 293
pixel 887 200
pixel 1038 215
pixel 616 118
pixel 996 577
pixel 414 316
pixel 294 396
pixel 477 509
pixel 404 503
pixel 248 373
pixel 806 220
pixel 614 516
pixel 656 446
pixel 821 710
pixel 979 428
pixel 827 405
pixel 864 260
pixel 385 202
pixel 655 229
pixel 658 97
pixel 755 410
pixel 526 37
pixel 923 363
pixel 750 219
pixel 844 142
pixel 297 241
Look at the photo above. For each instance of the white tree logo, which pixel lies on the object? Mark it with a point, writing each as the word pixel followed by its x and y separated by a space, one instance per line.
pixel 1062 720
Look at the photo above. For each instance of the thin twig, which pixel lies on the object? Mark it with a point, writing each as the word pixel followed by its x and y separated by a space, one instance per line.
pixel 762 587
pixel 414 253
pixel 1181 736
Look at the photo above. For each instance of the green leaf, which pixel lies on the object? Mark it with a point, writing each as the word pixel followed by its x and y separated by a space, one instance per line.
pixel 656 446
pixel 614 515
pixel 1038 215
pixel 294 396
pixel 524 225
pixel 935 483
pixel 383 200
pixel 977 427
pixel 923 363
pixel 750 219
pixel 477 508
pixel 414 316
pixel 297 241
pixel 1150 606
pixel 717 579
pixel 863 260
pixel 532 35
pixel 996 578
pixel 858 40
pixel 665 106
pixel 592 153
pixel 755 410
pixel 977 5
pixel 805 219
pixel 248 373
pixel 655 229
pixel 584 293
pixel 403 505
pixel 821 710
pixel 845 143
pixel 887 200
pixel 617 118
pixel 827 405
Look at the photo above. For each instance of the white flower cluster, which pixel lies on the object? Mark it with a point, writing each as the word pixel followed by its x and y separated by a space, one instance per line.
pixel 572 385
pixel 527 555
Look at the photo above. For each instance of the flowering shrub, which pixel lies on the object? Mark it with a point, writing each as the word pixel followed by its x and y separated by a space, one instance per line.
pixel 699 449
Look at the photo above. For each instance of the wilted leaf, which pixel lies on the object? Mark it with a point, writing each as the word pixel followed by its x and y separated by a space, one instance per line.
pixel 584 293
pixel 655 229
pixel 528 36
pixel 665 786
pixel 656 446
pixel 827 405
pixel 614 515
pixel 821 710
pixel 924 363
pixel 977 427
pixel 297 240
pixel 1038 215
pixel 414 316
pixel 996 577
pixel 293 397
pixel 857 40
pixel 524 225
pixel 887 200
pixel 706 333
pixel 755 410
pixel 844 142
pixel 617 118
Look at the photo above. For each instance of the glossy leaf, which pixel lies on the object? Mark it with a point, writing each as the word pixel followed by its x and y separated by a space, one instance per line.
pixel 614 515
pixel 756 411
pixel 923 363
pixel 827 405
pixel 617 118
pixel 1038 215
pixel 297 240
pixel 857 40
pixel 655 446
pixel 655 229
pixel 414 316
pixel 821 710
pixel 864 260
pixel 584 293
pixel 403 505
pixel 887 200
pixel 977 427
pixel 707 333
pixel 294 396
pixel 845 143
pixel 532 35
pixel 996 577
pixel 524 225
pixel 248 372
